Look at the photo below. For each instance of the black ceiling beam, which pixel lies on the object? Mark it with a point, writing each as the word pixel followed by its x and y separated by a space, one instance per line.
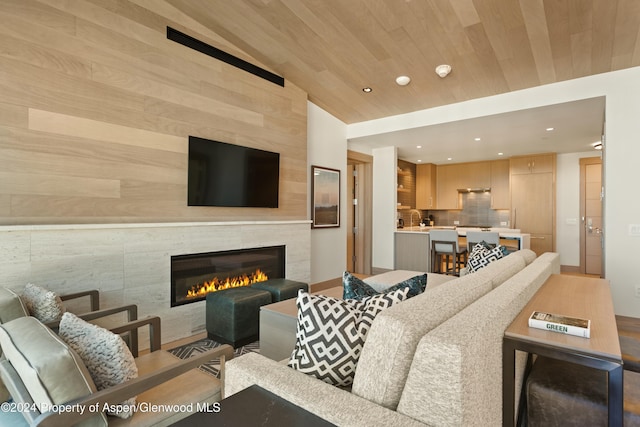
pixel 214 52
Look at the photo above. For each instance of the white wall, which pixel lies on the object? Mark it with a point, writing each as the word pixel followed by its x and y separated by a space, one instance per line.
pixel 385 178
pixel 327 146
pixel 568 206
pixel 621 158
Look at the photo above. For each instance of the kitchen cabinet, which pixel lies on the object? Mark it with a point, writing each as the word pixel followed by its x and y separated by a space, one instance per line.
pixel 405 188
pixel 500 195
pixel 533 164
pixel 447 183
pixel 474 175
pixel 533 201
pixel 450 178
pixel 426 186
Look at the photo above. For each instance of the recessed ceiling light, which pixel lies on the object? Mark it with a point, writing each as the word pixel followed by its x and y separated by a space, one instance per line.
pixel 500 154
pixel 550 129
pixel 449 158
pixel 476 139
pixel 597 146
pixel 367 89
pixel 418 146
pixel 403 80
pixel 419 161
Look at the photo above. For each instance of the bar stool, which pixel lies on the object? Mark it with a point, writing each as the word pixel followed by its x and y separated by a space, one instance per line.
pixel 444 243
pixel 475 237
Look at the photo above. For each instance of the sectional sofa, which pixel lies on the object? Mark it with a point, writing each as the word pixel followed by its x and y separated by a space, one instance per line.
pixel 435 359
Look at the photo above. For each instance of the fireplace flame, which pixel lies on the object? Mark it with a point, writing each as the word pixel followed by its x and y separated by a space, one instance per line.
pixel 216 284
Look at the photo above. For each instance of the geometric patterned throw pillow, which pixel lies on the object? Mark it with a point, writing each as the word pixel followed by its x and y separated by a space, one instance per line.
pixel 481 256
pixel 43 304
pixel 105 354
pixel 354 288
pixel 330 333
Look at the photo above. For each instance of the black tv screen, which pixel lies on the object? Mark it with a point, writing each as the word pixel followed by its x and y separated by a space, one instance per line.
pixel 222 174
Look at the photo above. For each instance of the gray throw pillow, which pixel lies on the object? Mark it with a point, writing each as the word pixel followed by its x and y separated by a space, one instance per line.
pixel 105 354
pixel 43 304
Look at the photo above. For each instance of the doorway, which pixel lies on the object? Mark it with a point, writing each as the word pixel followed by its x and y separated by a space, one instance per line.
pixel 591 231
pixel 359 190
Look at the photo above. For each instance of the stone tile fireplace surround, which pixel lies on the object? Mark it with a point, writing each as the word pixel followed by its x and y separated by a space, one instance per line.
pixel 130 263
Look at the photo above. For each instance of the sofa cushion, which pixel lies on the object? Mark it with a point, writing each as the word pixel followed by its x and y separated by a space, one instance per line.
pixel 331 332
pixel 11 306
pixel 105 355
pixel 467 389
pixel 51 371
pixel 503 269
pixel 392 340
pixel 334 404
pixel 43 304
pixel 354 288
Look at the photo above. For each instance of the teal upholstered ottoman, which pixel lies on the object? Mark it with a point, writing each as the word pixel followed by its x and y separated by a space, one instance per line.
pixel 233 315
pixel 281 289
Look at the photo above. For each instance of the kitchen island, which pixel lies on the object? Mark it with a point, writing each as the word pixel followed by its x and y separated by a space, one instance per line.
pixel 413 250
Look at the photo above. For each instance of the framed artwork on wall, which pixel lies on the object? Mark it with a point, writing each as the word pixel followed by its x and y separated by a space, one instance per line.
pixel 325 197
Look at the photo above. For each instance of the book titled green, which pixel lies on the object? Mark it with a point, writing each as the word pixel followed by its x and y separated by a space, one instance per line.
pixel 561 324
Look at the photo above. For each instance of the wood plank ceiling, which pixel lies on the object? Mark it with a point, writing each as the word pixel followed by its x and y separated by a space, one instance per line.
pixel 334 48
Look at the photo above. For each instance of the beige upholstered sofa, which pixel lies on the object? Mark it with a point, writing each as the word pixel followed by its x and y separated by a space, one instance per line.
pixel 435 359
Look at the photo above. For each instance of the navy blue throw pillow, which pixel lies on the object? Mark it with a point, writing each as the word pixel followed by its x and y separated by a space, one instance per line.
pixel 354 288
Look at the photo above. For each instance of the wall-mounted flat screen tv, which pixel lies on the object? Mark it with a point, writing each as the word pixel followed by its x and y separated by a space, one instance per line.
pixel 222 174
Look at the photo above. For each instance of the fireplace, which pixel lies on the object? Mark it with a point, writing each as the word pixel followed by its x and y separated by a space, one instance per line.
pixel 195 275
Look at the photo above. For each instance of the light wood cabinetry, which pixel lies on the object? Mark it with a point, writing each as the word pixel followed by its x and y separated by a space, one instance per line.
pixel 500 197
pixel 450 178
pixel 448 182
pixel 533 200
pixel 406 185
pixel 474 175
pixel 533 164
pixel 426 186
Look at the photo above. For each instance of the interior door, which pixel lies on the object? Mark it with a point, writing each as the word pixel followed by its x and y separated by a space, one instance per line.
pixel 591 234
pixel 351 218
pixel 360 170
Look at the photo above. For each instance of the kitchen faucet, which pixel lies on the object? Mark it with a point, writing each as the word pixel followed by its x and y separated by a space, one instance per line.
pixel 419 216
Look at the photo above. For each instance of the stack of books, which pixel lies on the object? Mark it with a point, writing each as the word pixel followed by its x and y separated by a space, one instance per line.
pixel 561 324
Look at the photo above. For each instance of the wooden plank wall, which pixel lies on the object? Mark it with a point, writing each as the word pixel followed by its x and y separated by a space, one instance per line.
pixel 96 107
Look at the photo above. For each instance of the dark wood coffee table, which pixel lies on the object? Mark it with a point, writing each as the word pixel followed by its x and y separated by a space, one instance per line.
pixel 254 406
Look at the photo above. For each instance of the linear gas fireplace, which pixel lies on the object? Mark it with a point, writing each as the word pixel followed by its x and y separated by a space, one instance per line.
pixel 193 276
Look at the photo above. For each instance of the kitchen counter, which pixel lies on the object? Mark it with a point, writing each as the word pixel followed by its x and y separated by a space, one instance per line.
pixel 505 233
pixel 412 248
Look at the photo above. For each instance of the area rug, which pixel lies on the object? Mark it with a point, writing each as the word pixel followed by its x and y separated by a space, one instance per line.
pixel 213 367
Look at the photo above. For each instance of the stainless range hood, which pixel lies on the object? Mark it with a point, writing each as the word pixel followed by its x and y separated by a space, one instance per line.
pixel 474 190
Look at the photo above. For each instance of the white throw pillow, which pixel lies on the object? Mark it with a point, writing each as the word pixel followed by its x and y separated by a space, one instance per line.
pixel 105 354
pixel 43 304
pixel 331 333
pixel 482 255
